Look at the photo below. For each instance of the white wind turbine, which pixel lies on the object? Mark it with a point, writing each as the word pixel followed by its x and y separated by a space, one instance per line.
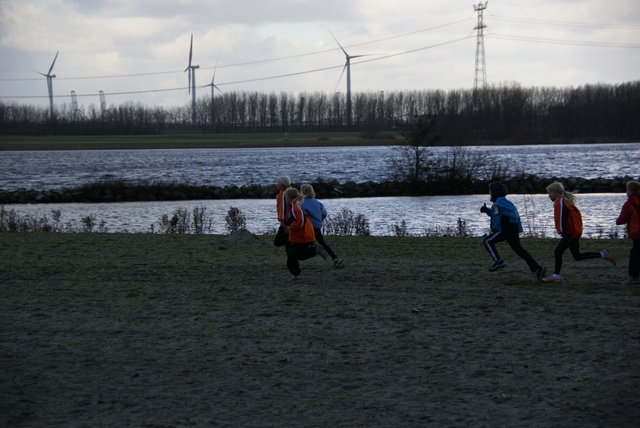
pixel 213 88
pixel 192 82
pixel 212 84
pixel 347 66
pixel 50 77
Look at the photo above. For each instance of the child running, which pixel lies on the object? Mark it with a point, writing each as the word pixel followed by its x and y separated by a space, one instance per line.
pixel 568 222
pixel 282 184
pixel 630 215
pixel 300 232
pixel 506 226
pixel 317 212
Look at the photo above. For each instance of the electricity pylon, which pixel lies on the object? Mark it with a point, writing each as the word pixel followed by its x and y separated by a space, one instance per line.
pixel 480 78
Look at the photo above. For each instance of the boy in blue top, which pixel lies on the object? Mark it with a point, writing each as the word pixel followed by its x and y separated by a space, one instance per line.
pixel 317 212
pixel 506 226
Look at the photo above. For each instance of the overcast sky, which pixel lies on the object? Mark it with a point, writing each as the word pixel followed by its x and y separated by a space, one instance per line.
pixel 135 50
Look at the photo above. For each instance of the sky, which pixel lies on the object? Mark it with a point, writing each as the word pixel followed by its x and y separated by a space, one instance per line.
pixel 137 50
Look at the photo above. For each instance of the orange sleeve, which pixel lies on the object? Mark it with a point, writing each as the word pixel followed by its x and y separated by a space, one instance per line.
pixel 281 208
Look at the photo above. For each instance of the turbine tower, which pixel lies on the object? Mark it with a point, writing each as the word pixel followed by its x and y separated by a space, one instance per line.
pixel 347 66
pixel 480 77
pixel 50 77
pixel 192 82
pixel 103 103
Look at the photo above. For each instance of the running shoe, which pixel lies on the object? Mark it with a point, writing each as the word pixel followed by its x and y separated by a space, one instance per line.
pixel 337 263
pixel 540 272
pixel 497 265
pixel 609 256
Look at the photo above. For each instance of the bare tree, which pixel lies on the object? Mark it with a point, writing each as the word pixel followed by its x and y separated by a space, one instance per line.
pixel 415 162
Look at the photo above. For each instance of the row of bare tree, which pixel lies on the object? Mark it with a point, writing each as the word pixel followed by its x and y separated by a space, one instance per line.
pixel 505 113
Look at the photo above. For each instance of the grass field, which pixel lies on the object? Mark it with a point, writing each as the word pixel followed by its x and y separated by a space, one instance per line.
pixel 184 141
pixel 199 330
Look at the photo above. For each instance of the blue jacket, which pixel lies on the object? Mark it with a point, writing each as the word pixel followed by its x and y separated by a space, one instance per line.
pixel 502 207
pixel 317 212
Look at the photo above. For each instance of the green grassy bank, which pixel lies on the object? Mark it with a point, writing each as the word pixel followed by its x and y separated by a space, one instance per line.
pixel 115 330
pixel 67 261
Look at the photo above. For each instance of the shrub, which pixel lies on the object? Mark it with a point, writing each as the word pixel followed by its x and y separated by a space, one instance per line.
pixel 346 223
pixel 235 220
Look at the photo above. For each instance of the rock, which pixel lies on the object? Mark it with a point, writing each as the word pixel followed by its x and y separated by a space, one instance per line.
pixel 241 236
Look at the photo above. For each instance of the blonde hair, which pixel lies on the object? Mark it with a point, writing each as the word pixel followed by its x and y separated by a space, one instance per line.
pixel 633 187
pixel 295 196
pixel 284 181
pixel 307 191
pixel 557 187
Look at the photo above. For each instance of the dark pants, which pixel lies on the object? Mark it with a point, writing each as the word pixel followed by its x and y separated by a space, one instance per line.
pixel 327 248
pixel 297 252
pixel 634 259
pixel 513 239
pixel 574 246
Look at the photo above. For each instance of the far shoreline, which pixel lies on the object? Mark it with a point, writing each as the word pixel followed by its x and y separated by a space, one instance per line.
pixel 224 141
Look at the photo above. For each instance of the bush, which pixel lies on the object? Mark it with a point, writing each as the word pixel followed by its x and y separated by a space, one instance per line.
pixel 346 223
pixel 182 223
pixel 235 220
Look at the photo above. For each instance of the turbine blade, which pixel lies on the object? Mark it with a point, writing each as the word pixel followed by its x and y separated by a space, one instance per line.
pixel 191 50
pixel 342 74
pixel 189 81
pixel 53 63
pixel 214 72
pixel 334 38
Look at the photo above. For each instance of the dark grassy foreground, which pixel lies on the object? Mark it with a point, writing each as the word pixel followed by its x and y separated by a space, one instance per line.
pixel 112 330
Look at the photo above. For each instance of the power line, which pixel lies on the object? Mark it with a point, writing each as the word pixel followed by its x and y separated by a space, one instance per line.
pixel 565 42
pixel 566 23
pixel 241 64
pixel 279 76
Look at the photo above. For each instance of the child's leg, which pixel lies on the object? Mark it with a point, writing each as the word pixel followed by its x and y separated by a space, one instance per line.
pixel 634 259
pixel 320 239
pixel 514 242
pixel 574 246
pixel 292 259
pixel 490 244
pixel 558 252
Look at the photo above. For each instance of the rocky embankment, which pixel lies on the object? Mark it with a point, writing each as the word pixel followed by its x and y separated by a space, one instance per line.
pixel 128 192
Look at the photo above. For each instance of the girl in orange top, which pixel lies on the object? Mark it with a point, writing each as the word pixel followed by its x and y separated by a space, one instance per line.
pixel 282 210
pixel 301 235
pixel 568 222
pixel 630 215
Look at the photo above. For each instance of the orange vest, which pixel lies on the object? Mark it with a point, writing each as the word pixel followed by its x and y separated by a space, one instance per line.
pixel 301 231
pixel 282 208
pixel 567 218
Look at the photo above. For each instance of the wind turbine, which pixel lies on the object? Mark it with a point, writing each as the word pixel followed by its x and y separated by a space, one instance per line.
pixel 213 88
pixel 50 77
pixel 192 82
pixel 347 66
pixel 212 84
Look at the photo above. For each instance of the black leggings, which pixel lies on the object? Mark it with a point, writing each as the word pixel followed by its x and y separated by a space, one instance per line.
pixel 327 248
pixel 513 239
pixel 574 246
pixel 296 252
pixel 634 259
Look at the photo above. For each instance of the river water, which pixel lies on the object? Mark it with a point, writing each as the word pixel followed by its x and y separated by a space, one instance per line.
pixel 42 170
pixel 422 215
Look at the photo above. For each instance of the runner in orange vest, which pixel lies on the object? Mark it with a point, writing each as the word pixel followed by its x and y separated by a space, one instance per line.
pixel 282 210
pixel 302 244
pixel 568 222
pixel 630 215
